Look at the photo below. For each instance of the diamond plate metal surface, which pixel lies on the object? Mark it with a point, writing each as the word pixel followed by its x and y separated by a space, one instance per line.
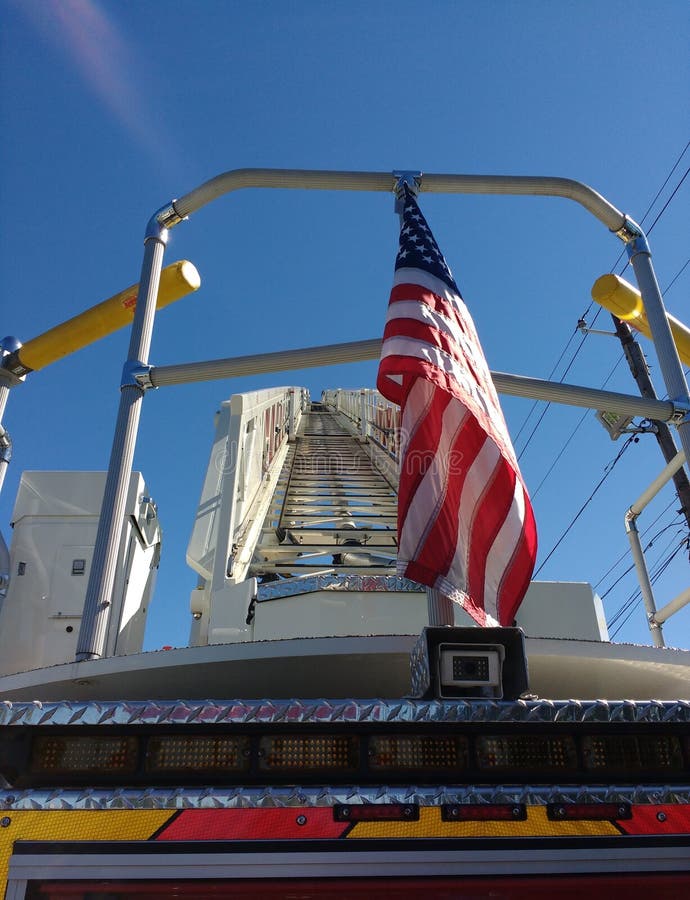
pixel 262 797
pixel 212 712
pixel 365 583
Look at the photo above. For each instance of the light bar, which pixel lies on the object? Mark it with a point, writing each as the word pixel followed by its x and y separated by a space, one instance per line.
pixel 308 752
pixel 460 752
pixel 418 752
pixel 185 753
pixel 526 752
pixel 632 753
pixel 64 755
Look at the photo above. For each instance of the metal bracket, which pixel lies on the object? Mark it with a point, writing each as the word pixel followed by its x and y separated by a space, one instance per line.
pixel 137 374
pixel 583 328
pixel 680 416
pixel 12 371
pixel 637 245
pixel 634 237
pixel 168 216
pixel 5 445
pixel 411 180
pixel 161 222
pixel 629 230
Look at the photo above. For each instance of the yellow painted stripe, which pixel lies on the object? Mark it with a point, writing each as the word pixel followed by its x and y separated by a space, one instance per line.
pixel 77 825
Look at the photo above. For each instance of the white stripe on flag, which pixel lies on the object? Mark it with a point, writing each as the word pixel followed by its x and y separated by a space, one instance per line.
pixel 503 548
pixel 404 346
pixel 410 275
pixel 431 491
pixel 418 311
pixel 418 403
pixel 477 480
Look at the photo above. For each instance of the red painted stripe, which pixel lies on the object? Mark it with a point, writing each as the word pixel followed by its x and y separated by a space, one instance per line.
pixel 668 818
pixel 253 824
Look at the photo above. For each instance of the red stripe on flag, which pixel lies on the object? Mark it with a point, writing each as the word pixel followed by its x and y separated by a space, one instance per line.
pixel 489 515
pixel 517 575
pixel 426 333
pixel 419 453
pixel 416 292
pixel 440 545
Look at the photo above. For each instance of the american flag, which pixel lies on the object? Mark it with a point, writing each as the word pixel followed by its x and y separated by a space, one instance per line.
pixel 465 522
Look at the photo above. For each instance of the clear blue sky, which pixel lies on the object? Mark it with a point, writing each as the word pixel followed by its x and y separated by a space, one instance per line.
pixel 110 109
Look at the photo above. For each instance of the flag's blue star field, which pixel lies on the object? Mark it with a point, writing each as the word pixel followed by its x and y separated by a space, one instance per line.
pixel 418 248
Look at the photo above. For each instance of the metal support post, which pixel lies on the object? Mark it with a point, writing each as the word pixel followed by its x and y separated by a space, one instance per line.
pixel 95 618
pixel 631 529
pixel 7 381
pixel 677 603
pixel 643 578
pixel 671 369
pixel 5 442
pixel 356 351
pixel 363 426
pixel 640 372
pixel 292 415
pixel 5 454
pixel 5 385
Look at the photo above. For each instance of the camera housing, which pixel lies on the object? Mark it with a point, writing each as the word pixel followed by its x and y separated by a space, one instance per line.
pixel 470 663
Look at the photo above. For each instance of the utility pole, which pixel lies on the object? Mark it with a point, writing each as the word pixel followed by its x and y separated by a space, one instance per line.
pixel 640 372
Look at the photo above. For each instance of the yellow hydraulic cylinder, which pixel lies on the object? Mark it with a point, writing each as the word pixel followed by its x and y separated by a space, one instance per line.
pixel 177 280
pixel 625 301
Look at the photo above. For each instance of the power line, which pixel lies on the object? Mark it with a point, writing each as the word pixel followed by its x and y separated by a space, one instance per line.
pixel 550 375
pixel 584 416
pixel 630 604
pixel 627 444
pixel 626 551
pixel 676 276
pixel 608 590
pixel 663 208
pixel 584 506
pixel 658 194
pixel 580 345
pixel 560 381
pixel 658 567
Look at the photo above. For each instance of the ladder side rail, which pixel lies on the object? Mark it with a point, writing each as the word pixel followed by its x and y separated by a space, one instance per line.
pixel 257 437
